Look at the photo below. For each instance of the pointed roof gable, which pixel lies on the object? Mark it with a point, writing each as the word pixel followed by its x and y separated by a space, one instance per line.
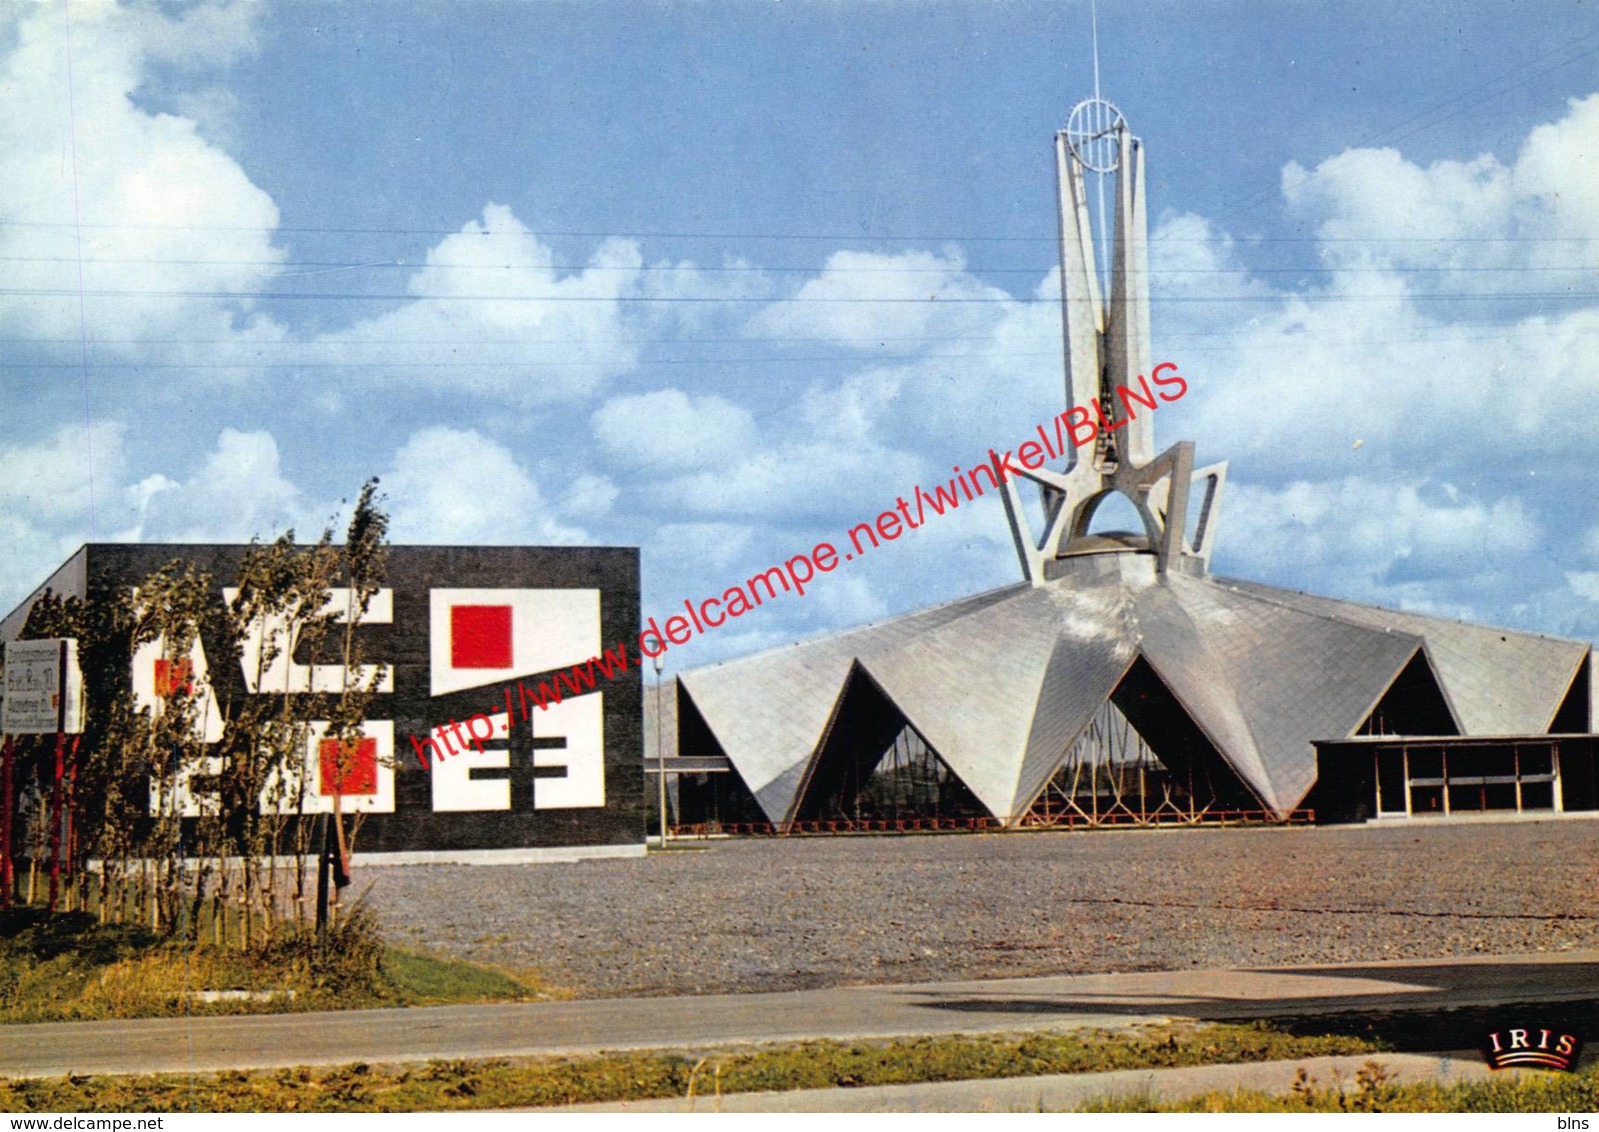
pixel 1499 681
pixel 1296 676
pixel 769 710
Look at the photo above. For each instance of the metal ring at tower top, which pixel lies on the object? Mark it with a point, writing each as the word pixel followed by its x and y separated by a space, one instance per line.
pixel 1094 134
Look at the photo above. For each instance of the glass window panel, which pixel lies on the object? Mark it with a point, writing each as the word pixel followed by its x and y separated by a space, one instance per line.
pixel 1427 763
pixel 1499 796
pixel 1472 762
pixel 1391 781
pixel 1537 795
pixel 1535 762
pixel 1427 799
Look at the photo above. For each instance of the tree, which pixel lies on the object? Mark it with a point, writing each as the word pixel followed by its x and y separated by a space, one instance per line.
pixel 181 817
pixel 364 558
pixel 280 609
pixel 172 609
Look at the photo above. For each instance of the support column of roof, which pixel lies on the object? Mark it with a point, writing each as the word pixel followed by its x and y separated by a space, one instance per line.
pixel 1128 353
pixel 1082 309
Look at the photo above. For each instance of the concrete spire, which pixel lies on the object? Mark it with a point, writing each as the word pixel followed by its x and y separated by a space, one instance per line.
pixel 1082 309
pixel 1109 363
pixel 1128 349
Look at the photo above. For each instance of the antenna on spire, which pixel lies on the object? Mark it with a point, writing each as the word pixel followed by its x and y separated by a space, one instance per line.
pixel 1106 336
pixel 1093 15
pixel 1108 160
pixel 1094 133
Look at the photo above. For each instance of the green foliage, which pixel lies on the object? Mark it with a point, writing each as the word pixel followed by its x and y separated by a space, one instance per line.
pixel 239 865
pixel 443 1085
pixel 342 961
pixel 71 967
pixel 1372 1090
pixel 364 560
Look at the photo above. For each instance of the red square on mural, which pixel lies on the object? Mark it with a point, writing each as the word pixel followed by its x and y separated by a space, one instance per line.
pixel 360 768
pixel 480 636
pixel 171 675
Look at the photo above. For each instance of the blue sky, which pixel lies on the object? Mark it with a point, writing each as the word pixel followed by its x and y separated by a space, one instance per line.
pixel 616 273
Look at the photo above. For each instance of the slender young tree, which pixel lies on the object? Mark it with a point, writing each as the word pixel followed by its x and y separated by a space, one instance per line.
pixel 171 608
pixel 277 610
pixel 364 562
pixel 181 820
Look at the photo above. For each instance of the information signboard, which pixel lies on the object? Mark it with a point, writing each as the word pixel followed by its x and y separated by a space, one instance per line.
pixel 43 688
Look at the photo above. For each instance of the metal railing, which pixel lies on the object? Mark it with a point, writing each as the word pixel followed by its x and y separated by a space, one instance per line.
pixel 1069 820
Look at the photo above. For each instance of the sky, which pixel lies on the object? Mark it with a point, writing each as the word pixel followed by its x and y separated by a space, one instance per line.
pixel 721 280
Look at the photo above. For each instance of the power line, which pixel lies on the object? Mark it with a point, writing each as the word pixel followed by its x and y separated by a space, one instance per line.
pixel 77 239
pixel 691 269
pixel 961 300
pixel 341 342
pixel 1436 339
pixel 847 359
pixel 563 232
pixel 1385 136
pixel 1391 134
pixel 752 340
pixel 1391 137
pixel 846 237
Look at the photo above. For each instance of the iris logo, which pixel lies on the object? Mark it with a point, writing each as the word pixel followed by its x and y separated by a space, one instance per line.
pixel 1532 1048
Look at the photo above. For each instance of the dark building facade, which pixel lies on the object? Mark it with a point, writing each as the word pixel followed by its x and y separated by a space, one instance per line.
pixel 1391 776
pixel 449 636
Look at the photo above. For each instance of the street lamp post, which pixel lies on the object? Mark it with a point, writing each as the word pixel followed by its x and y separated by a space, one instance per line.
pixel 660 752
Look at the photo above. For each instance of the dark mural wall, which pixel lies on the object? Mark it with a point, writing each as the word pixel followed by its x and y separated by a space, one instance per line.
pixel 455 629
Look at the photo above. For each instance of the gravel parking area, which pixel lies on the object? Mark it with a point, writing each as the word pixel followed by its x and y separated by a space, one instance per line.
pixel 756 914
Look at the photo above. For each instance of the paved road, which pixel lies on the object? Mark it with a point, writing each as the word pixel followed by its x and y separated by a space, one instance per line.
pixel 1049 1002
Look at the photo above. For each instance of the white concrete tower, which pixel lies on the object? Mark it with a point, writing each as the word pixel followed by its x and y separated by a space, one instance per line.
pixel 1110 372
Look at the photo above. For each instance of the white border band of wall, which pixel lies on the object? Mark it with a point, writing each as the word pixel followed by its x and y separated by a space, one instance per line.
pixel 543 855
pixel 527 855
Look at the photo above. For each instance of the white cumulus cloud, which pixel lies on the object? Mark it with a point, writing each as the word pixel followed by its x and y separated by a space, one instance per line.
pixel 456 486
pixel 175 236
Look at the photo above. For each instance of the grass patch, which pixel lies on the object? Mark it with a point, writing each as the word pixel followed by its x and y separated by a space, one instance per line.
pixel 72 968
pixel 443 1085
pixel 1371 1090
pixel 425 980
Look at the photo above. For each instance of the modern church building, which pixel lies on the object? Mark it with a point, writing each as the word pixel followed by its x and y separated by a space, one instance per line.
pixel 1120 681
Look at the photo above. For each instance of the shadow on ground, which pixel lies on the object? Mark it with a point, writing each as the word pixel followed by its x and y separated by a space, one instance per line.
pixel 1561 997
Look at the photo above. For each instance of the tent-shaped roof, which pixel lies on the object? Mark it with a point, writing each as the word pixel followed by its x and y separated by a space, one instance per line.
pixel 1001 684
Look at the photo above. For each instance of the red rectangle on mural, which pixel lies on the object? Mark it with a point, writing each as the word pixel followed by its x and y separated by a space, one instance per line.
pixel 170 675
pixel 480 636
pixel 360 768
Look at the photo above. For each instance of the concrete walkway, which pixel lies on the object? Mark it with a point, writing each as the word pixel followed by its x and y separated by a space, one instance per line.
pixel 1066 1093
pixel 994 1005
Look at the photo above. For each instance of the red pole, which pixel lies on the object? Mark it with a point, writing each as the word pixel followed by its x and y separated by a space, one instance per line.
pixel 55 823
pixel 7 878
pixel 70 838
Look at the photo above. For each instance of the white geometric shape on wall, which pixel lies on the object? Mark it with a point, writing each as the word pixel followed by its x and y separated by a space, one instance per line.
pixel 454 788
pixel 188 803
pixel 491 636
pixel 284 674
pixel 154 677
pixel 581 722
